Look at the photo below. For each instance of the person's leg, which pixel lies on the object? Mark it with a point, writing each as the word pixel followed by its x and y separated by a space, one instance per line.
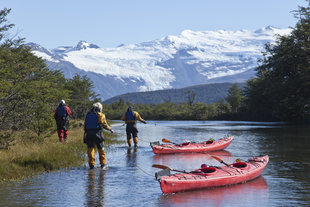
pixel 60 136
pixel 135 141
pixel 128 133
pixel 91 155
pixel 135 136
pixel 129 140
pixel 65 134
pixel 101 152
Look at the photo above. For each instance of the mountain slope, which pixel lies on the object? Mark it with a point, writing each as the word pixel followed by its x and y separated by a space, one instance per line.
pixel 191 58
pixel 206 93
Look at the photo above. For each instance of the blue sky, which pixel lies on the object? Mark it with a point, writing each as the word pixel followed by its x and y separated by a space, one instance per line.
pixel 109 23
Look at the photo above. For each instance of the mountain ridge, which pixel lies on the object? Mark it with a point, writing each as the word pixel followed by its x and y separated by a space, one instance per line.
pixel 191 58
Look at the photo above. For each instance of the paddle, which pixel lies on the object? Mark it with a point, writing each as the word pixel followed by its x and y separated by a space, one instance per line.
pixel 167 141
pixel 166 167
pixel 219 159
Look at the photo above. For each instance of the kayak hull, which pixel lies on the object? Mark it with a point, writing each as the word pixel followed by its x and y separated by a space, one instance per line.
pixel 193 147
pixel 227 175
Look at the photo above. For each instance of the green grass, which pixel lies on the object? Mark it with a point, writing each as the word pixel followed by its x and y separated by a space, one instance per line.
pixel 25 159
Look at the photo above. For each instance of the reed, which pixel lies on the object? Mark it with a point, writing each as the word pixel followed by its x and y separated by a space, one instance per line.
pixel 27 158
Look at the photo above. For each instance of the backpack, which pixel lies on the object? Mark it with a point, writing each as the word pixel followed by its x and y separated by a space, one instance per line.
pixel 91 121
pixel 61 111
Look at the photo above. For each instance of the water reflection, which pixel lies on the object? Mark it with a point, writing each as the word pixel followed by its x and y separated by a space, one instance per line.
pixel 132 157
pixel 95 188
pixel 130 180
pixel 235 195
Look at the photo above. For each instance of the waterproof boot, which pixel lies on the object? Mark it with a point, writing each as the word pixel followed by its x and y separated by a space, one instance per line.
pixel 129 142
pixel 135 140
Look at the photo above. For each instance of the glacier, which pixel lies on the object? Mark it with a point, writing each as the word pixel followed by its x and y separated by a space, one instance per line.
pixel 191 58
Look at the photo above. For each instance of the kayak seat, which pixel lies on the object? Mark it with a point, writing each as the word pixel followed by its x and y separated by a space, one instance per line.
pixel 209 142
pixel 186 143
pixel 208 169
pixel 240 165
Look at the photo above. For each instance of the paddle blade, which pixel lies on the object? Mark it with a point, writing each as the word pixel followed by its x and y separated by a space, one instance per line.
pixel 160 166
pixel 217 158
pixel 166 141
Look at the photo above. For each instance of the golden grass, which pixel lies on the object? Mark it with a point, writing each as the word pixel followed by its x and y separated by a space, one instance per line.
pixel 25 158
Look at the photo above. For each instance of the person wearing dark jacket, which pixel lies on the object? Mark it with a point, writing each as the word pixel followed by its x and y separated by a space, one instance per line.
pixel 130 118
pixel 95 122
pixel 61 116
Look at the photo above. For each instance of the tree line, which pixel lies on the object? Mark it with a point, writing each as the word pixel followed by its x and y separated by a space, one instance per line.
pixel 189 110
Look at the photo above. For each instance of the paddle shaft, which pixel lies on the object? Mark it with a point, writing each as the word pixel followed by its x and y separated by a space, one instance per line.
pixel 166 167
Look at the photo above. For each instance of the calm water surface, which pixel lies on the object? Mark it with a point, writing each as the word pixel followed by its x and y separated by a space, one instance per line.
pixel 130 181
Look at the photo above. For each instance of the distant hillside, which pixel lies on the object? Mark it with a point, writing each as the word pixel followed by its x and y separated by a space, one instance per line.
pixel 207 93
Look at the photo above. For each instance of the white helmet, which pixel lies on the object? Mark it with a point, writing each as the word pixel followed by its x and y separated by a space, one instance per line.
pixel 62 102
pixel 98 105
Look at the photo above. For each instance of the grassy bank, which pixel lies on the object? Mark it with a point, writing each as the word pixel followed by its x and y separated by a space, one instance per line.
pixel 27 158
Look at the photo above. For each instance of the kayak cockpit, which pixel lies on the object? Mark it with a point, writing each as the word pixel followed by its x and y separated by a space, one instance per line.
pixel 240 165
pixel 208 170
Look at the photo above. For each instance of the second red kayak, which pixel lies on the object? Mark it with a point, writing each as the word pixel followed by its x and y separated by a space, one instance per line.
pixel 207 177
pixel 188 147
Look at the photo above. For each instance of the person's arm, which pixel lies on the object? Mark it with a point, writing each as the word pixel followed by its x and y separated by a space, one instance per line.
pixel 102 121
pixel 68 111
pixel 55 114
pixel 123 117
pixel 138 117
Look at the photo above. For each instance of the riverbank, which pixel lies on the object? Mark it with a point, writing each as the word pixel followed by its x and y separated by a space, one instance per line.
pixel 28 158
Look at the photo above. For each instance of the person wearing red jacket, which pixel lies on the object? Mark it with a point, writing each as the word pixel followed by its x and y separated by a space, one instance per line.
pixel 61 116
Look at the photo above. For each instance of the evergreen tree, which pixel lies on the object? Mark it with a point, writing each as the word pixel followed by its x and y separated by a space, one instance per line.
pixel 234 97
pixel 82 95
pixel 282 86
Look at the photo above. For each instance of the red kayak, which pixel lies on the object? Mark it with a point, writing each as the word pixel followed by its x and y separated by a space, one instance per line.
pixel 207 146
pixel 207 177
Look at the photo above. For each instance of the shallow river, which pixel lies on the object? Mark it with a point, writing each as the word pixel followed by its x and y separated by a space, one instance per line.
pixel 130 181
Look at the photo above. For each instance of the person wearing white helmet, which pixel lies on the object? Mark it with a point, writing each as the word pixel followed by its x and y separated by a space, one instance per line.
pixel 61 116
pixel 95 122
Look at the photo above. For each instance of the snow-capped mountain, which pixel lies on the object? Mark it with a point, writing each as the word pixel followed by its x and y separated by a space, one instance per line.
pixel 192 58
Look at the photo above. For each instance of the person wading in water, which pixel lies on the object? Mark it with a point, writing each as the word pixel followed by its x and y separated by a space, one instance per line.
pixel 130 118
pixel 95 122
pixel 61 116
